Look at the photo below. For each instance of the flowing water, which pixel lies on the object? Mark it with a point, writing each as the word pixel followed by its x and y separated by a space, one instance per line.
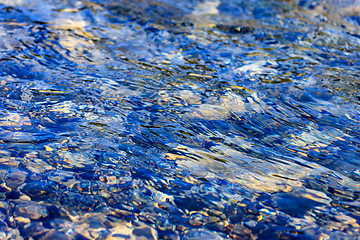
pixel 160 119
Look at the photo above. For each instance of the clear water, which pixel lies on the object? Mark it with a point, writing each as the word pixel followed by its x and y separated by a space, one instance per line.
pixel 179 119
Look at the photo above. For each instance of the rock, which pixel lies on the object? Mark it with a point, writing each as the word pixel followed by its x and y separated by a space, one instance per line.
pixel 120 231
pixel 77 160
pixel 22 221
pixel 31 211
pixel 214 212
pixel 198 219
pixel 169 235
pixel 13 195
pixel 63 178
pixel 14 119
pixel 53 234
pixel 4 188
pixel 10 233
pixel 25 198
pixel 217 226
pixel 8 162
pixel 240 232
pixel 201 234
pixel 37 190
pixel 3 224
pixel 38 166
pixel 59 212
pixel 11 221
pixel 5 207
pixel 15 178
pixel 145 232
pixel 34 229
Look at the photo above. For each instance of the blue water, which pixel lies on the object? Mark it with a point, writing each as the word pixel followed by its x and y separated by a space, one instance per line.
pixel 214 119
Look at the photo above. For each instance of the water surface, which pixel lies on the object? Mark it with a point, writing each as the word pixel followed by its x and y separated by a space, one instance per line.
pixel 214 119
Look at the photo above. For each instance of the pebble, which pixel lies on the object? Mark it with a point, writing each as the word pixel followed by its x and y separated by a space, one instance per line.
pixel 38 166
pixel 145 233
pixel 201 234
pixel 39 189
pixel 169 235
pixel 120 231
pixel 15 178
pixel 53 234
pixel 218 226
pixel 214 212
pixel 198 219
pixel 5 207
pixel 25 198
pixel 238 231
pixel 31 211
pixel 71 160
pixel 22 220
pixel 10 233
pixel 35 229
pixel 4 188
pixel 8 162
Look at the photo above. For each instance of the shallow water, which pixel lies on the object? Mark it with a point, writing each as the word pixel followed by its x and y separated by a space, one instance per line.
pixel 179 120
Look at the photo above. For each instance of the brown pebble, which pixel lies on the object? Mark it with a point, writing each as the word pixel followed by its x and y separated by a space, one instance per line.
pixel 180 228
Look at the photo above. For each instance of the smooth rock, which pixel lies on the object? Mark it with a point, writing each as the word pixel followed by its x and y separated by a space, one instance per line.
pixel 145 232
pixel 31 211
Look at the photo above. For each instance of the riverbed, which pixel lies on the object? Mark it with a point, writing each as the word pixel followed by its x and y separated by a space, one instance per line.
pixel 158 119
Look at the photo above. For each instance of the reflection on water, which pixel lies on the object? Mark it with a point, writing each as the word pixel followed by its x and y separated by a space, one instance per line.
pixel 208 119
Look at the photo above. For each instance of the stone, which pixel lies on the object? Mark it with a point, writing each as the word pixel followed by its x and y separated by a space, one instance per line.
pixel 31 211
pixel 202 234
pixel 145 232
pixel 15 178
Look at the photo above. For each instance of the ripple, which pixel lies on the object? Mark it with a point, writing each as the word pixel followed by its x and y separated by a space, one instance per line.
pixel 179 120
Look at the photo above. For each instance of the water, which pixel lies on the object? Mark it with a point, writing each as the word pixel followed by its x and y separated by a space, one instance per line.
pixel 179 120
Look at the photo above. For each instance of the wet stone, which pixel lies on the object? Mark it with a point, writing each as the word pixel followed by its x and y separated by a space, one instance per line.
pixel 53 234
pixel 11 222
pixel 294 206
pixel 3 224
pixel 15 178
pixel 201 234
pixel 10 233
pixel 238 231
pixel 219 226
pixel 145 232
pixel 58 212
pixel 58 223
pixel 38 166
pixel 5 207
pixel 31 211
pixel 25 198
pixel 9 162
pixel 4 188
pixel 169 235
pixel 120 231
pixel 22 221
pixel 40 189
pixel 198 219
pixel 84 230
pixel 13 195
pixel 34 229
pixel 2 216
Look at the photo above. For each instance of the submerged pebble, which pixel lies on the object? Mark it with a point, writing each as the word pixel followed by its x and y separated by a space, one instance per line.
pixel 31 211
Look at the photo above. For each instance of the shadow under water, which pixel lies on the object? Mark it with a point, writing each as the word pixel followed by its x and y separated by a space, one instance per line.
pixel 208 119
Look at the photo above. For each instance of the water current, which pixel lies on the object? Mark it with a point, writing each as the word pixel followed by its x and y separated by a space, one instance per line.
pixel 160 119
